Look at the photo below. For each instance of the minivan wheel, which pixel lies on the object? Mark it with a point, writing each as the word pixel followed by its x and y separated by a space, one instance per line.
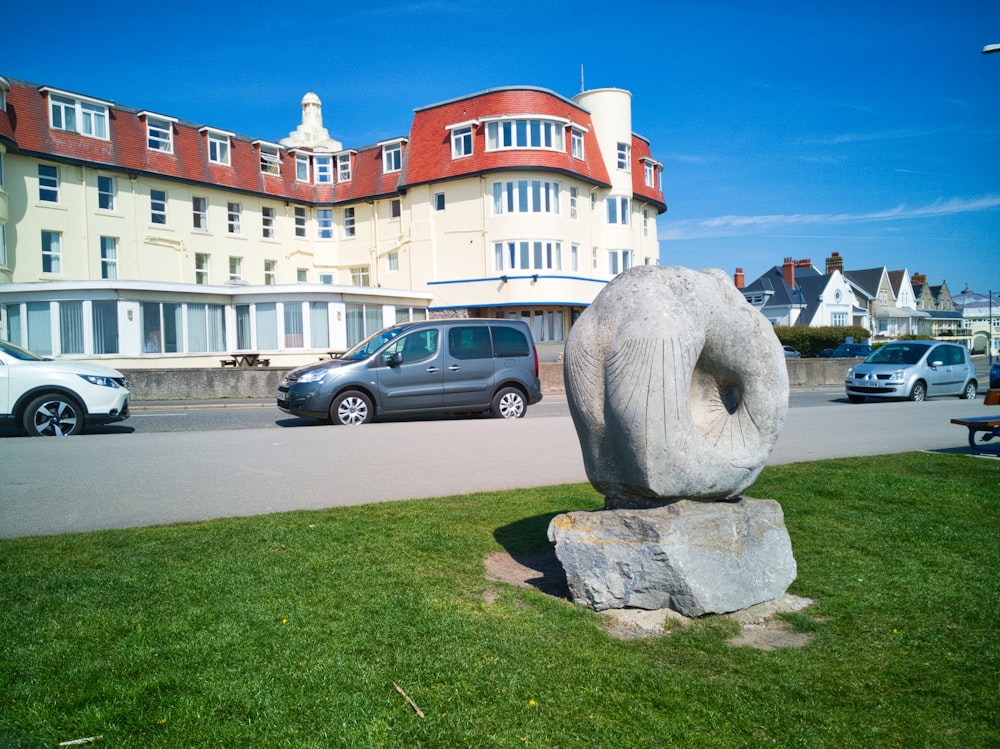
pixel 53 416
pixel 508 403
pixel 351 408
pixel 971 389
pixel 919 391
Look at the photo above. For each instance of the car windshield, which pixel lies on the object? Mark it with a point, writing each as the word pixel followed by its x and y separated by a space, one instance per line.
pixel 372 344
pixel 17 352
pixel 898 354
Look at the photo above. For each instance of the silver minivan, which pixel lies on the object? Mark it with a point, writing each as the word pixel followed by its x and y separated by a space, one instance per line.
pixel 914 370
pixel 432 366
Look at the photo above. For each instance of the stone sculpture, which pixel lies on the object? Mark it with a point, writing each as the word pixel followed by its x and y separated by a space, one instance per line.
pixel 678 390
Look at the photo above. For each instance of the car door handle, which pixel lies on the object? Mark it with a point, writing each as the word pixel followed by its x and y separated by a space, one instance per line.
pixel 454 368
pixel 432 369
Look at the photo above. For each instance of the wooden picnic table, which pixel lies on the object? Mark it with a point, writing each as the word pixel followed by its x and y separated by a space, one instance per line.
pixel 245 359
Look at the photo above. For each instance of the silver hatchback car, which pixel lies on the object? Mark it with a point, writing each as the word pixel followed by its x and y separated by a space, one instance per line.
pixel 914 370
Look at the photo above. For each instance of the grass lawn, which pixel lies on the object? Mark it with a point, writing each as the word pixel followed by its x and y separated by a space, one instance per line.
pixel 290 630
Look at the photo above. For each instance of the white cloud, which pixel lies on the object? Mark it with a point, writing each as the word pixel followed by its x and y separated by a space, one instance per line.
pixel 729 226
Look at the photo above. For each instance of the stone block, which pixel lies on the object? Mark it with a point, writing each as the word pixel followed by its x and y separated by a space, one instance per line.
pixel 693 557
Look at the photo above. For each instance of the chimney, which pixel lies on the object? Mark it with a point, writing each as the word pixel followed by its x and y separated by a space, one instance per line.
pixel 834 262
pixel 739 279
pixel 804 263
pixel 918 278
pixel 788 272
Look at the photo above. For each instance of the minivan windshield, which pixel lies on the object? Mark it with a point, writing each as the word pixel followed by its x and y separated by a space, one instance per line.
pixel 898 353
pixel 372 343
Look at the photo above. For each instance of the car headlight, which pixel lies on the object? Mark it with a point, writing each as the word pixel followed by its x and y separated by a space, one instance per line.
pixel 898 375
pixel 850 373
pixel 100 381
pixel 313 375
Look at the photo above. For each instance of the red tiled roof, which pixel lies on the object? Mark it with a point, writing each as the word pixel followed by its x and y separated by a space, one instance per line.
pixel 430 158
pixel 426 157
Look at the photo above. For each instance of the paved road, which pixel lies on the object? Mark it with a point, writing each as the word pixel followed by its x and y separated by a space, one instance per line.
pixel 124 480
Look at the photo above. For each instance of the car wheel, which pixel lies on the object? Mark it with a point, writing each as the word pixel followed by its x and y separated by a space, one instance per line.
pixel 53 416
pixel 971 389
pixel 351 408
pixel 919 391
pixel 856 398
pixel 508 403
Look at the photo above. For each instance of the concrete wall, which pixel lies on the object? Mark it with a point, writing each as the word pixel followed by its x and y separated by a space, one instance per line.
pixel 262 382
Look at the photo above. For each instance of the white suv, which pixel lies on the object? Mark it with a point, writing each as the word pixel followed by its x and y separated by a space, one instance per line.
pixel 57 398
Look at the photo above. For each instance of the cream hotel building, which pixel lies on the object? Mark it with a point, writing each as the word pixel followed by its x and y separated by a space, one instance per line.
pixel 150 241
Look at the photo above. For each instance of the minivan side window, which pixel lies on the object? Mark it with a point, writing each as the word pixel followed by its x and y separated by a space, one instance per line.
pixel 413 346
pixel 957 355
pixel 470 343
pixel 509 342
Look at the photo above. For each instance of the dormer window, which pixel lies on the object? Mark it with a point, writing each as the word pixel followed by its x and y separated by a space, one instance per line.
pixel 323 169
pixel 218 145
pixel 159 132
pixel 461 138
pixel 392 156
pixel 270 158
pixel 301 167
pixel 548 133
pixel 652 171
pixel 576 138
pixel 77 115
pixel 344 167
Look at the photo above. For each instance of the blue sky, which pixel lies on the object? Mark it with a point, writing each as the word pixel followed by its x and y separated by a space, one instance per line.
pixel 786 129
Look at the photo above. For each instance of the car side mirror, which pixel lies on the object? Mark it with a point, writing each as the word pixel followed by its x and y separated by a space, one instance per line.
pixel 936 364
pixel 395 359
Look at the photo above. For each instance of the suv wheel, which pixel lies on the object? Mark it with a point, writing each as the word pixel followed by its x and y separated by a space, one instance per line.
pixel 508 403
pixel 53 416
pixel 919 391
pixel 351 408
pixel 971 388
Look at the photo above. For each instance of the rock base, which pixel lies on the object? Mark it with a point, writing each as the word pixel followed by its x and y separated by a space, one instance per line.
pixel 693 557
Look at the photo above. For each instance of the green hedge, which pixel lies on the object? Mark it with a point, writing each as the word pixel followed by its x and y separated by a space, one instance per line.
pixel 810 341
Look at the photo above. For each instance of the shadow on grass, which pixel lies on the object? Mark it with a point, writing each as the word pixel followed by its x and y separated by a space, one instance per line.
pixel 532 558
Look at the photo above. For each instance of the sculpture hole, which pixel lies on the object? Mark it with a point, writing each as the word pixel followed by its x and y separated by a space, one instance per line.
pixel 730 396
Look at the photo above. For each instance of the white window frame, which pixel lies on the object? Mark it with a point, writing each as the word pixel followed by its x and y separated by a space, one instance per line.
pixel 270 158
pixel 361 275
pixel 219 146
pixel 573 195
pixel 201 263
pixel 323 170
pixel 536 132
pixel 199 218
pixel 73 114
pixel 526 196
pixel 576 140
pixel 619 210
pixel 267 217
pixel 109 258
pixel 159 132
pixel 235 268
pixel 439 201
pixel 301 167
pixel 620 261
pixel 158 207
pixel 624 158
pixel 350 229
pixel 107 192
pixel 301 220
pixel 324 223
pixel 531 255
pixel 48 183
pixel 234 213
pixel 392 156
pixel 344 167
pixel 52 249
pixel 461 141
pixel 270 272
pixel 392 262
pixel 3 243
